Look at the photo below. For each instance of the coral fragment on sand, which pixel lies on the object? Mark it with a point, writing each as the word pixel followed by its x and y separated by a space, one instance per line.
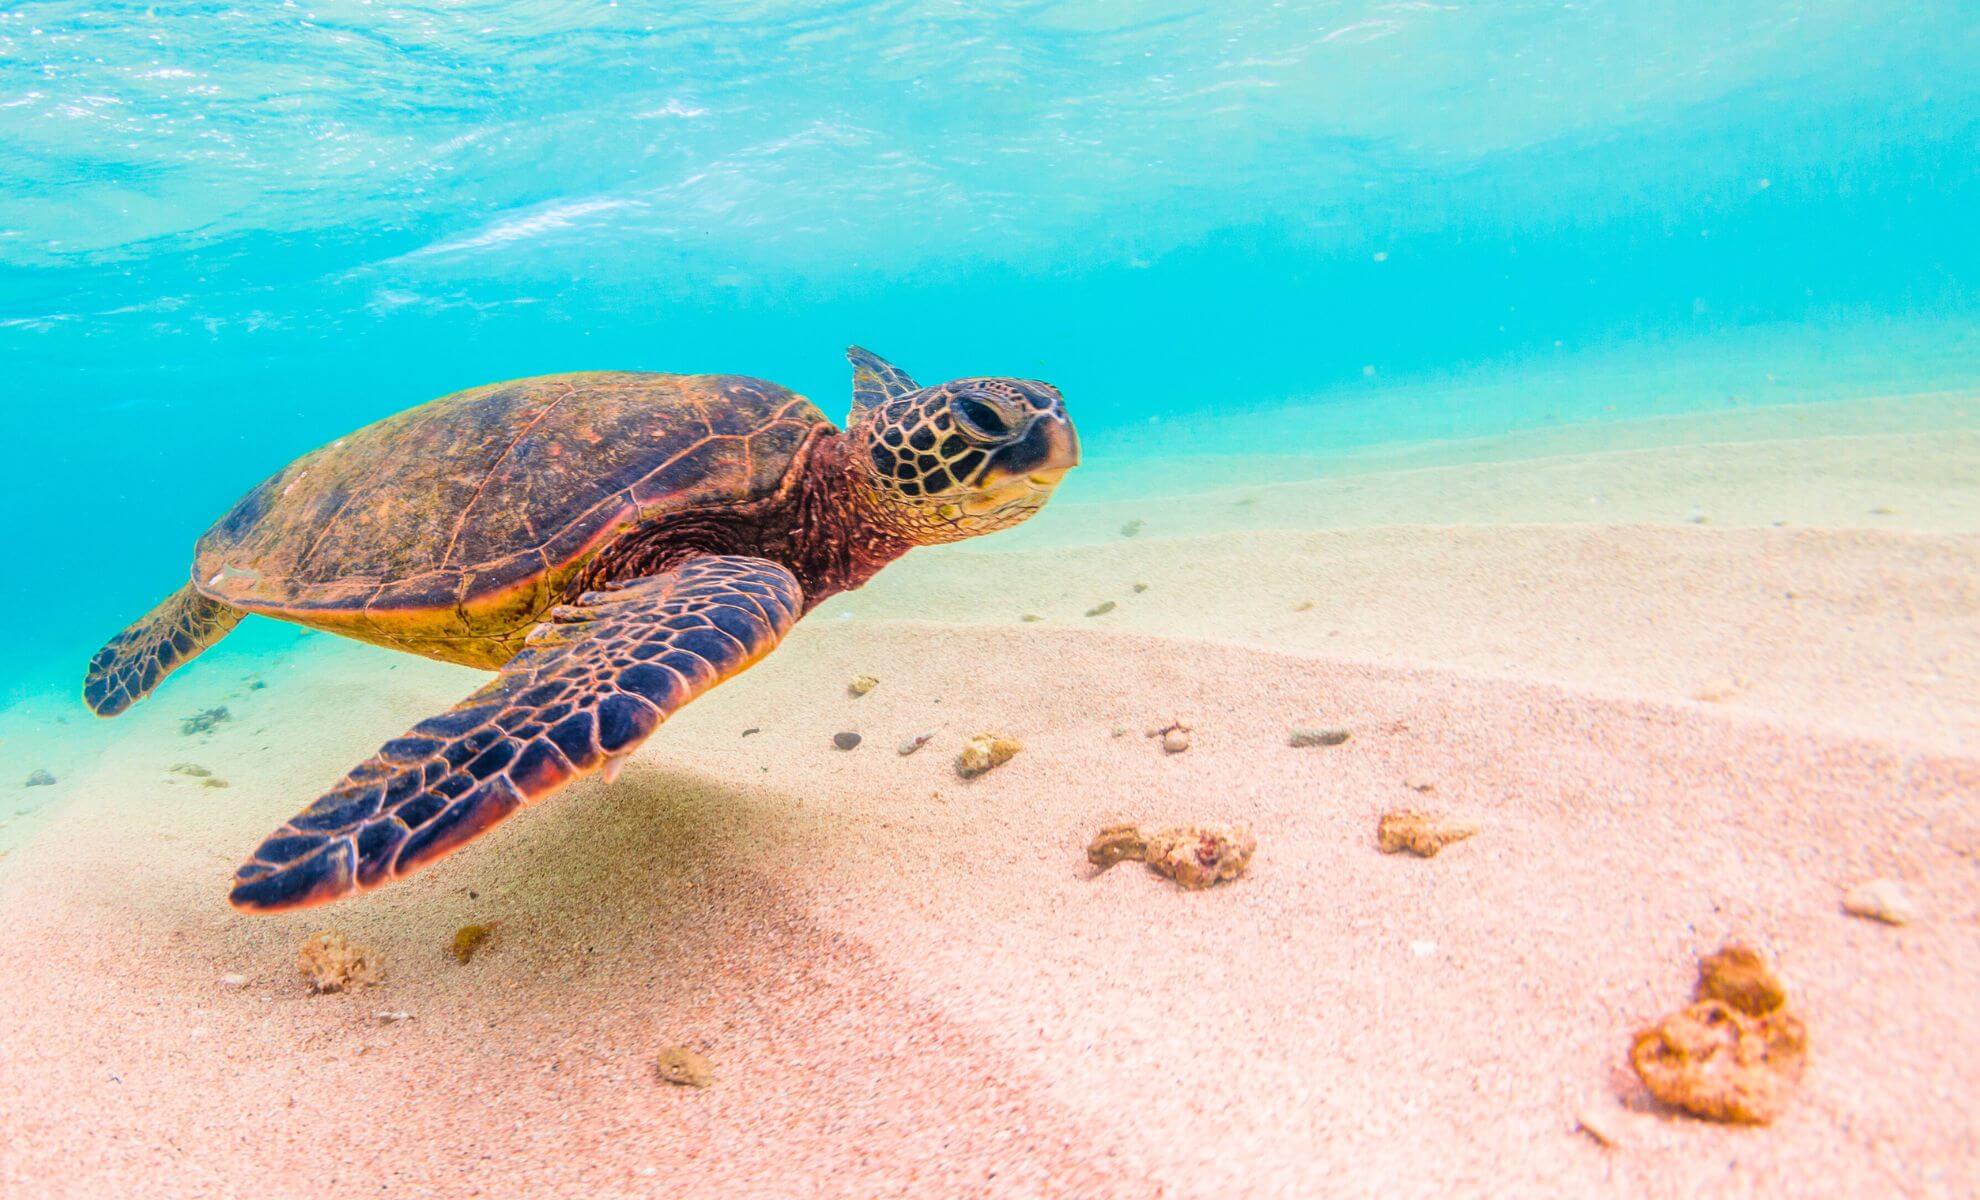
pixel 1740 976
pixel 683 1067
pixel 331 963
pixel 910 745
pixel 1736 1053
pixel 468 939
pixel 862 684
pixel 1422 834
pixel 984 752
pixel 1713 1061
pixel 1196 856
pixel 1300 739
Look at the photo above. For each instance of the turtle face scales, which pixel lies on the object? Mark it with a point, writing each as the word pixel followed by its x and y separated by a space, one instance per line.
pixel 963 458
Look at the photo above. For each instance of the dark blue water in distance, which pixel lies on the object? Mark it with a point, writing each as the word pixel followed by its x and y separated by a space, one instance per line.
pixel 229 233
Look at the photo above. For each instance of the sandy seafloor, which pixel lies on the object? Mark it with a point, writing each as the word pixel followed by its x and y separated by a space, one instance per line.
pixel 1692 677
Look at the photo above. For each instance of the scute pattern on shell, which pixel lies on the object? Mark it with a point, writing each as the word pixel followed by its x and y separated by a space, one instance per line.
pixel 471 502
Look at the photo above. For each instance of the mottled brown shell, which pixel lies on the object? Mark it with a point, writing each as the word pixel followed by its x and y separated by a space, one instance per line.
pixel 460 519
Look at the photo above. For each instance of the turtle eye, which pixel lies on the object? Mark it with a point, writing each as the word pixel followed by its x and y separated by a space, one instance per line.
pixel 979 420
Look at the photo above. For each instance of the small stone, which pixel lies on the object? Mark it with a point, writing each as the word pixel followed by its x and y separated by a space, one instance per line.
pixel 213 781
pixel 257 685
pixel 1302 738
pixel 1132 527
pixel 1607 1122
pixel 468 940
pixel 1303 606
pixel 1883 510
pixel 391 1016
pixel 332 964
pixel 845 740
pixel 1101 609
pixel 862 684
pixel 1723 688
pixel 914 743
pixel 1880 900
pixel 1031 617
pixel 192 769
pixel 40 778
pixel 1140 588
pixel 1698 517
pixel 233 980
pixel 1175 741
pixel 683 1067
pixel 985 752
pixel 1422 834
pixel 1419 783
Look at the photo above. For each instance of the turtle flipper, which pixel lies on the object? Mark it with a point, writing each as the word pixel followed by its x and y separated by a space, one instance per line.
pixel 164 639
pixel 588 688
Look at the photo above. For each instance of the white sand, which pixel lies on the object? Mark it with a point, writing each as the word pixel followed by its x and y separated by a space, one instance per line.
pixel 912 984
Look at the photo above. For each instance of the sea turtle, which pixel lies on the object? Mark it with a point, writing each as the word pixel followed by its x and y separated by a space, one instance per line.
pixel 613 544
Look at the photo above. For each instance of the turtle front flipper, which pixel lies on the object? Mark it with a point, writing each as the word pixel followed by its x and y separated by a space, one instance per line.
pixel 589 687
pixel 163 640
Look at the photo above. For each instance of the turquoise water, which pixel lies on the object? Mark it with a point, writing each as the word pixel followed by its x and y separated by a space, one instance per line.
pixel 230 233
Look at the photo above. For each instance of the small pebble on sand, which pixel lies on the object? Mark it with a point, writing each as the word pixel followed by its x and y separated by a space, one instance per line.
pixel 391 1016
pixel 1419 783
pixel 846 739
pixel 914 743
pixel 1723 688
pixel 1101 609
pixel 1698 517
pixel 862 684
pixel 1031 617
pixel 1140 588
pixel 683 1067
pixel 1175 737
pixel 1303 606
pixel 331 963
pixel 1422 834
pixel 40 778
pixel 1883 510
pixel 233 980
pixel 192 769
pixel 1881 900
pixel 213 781
pixel 984 752
pixel 1131 528
pixel 1302 738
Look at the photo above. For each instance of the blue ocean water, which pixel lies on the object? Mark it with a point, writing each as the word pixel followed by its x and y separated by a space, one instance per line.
pixel 231 232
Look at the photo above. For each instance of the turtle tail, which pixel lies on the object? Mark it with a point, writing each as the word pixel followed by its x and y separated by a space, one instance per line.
pixel 164 639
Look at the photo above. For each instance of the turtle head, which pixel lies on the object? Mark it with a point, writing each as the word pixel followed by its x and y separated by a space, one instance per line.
pixel 965 457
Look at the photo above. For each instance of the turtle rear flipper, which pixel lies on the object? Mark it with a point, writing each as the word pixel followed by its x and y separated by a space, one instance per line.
pixel 162 641
pixel 590 686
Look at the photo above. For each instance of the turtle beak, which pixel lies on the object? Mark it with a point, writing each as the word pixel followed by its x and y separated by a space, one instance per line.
pixel 1040 458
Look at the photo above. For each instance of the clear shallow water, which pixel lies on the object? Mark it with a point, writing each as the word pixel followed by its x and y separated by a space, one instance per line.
pixel 228 234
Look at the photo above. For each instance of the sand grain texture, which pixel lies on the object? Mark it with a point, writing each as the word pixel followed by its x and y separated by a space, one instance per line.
pixel 914 984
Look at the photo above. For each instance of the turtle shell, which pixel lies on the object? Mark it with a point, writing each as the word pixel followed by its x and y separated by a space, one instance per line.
pixel 448 528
